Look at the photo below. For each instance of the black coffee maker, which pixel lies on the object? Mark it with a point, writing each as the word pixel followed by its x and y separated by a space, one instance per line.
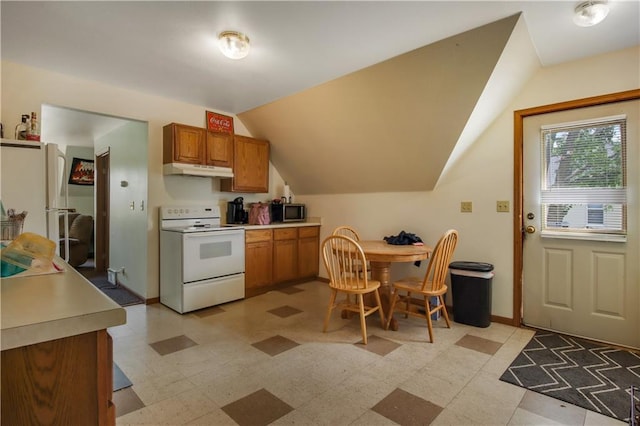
pixel 236 212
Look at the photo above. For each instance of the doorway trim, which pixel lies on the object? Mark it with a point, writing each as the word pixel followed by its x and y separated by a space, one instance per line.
pixel 101 254
pixel 518 163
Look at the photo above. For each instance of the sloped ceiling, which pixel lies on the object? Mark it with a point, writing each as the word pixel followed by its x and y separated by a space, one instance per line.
pixel 386 128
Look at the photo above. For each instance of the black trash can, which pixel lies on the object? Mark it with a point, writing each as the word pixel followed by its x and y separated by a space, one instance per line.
pixel 471 290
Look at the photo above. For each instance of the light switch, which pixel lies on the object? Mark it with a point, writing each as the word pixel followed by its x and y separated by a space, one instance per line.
pixel 466 206
pixel 132 205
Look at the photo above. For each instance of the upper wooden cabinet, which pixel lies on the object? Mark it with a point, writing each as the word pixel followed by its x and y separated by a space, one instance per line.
pixel 219 149
pixel 194 145
pixel 183 144
pixel 250 166
pixel 248 157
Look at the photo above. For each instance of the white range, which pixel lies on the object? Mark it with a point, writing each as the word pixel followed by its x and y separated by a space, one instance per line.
pixel 201 262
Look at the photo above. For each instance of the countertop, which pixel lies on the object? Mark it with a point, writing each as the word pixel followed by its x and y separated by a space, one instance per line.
pixel 41 308
pixel 281 225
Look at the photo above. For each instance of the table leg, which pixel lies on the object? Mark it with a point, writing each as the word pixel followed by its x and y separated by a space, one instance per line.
pixel 381 271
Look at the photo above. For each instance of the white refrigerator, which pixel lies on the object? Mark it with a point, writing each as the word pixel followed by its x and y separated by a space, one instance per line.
pixel 32 180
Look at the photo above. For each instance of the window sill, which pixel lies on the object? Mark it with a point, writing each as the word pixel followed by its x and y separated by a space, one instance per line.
pixel 571 235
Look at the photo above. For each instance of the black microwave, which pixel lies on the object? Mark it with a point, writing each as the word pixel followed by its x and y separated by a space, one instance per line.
pixel 288 212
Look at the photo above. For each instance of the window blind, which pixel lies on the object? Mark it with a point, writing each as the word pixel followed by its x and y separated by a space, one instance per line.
pixel 584 163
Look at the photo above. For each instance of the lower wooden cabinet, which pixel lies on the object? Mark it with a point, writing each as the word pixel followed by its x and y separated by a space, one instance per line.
pixel 258 256
pixel 280 255
pixel 308 251
pixel 68 381
pixel 285 254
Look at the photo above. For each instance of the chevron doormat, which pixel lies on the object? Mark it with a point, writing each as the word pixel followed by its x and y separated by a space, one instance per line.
pixel 583 373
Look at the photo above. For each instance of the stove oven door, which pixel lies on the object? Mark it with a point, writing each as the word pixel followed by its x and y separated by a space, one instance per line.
pixel 212 254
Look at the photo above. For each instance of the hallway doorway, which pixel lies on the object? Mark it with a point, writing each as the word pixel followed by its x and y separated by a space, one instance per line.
pixel 118 199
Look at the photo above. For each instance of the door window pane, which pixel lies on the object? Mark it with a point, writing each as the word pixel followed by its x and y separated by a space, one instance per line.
pixel 584 176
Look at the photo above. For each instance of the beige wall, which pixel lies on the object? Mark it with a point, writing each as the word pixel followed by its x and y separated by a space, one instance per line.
pixel 483 175
pixel 26 89
pixel 127 147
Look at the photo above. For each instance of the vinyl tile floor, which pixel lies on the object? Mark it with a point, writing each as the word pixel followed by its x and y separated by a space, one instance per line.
pixel 265 360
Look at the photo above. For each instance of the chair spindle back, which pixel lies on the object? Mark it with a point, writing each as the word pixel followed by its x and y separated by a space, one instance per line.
pixel 343 258
pixel 439 262
pixel 347 231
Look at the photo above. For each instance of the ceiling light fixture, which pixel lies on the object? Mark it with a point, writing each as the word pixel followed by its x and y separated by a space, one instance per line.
pixel 590 13
pixel 233 44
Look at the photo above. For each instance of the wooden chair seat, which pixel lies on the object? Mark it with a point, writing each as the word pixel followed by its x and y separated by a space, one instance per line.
pixel 355 290
pixel 414 285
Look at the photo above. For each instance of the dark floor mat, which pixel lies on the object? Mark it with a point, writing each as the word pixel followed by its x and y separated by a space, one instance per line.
pixel 587 374
pixel 117 293
pixel 120 380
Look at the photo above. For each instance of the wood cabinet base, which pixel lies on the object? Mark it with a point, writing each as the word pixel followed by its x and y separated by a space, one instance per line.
pixel 66 381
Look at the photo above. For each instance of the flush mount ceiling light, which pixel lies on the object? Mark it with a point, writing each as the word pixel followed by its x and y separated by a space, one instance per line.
pixel 233 44
pixel 590 13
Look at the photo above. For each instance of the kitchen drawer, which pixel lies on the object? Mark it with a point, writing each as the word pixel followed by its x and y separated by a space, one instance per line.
pixel 308 231
pixel 258 235
pixel 285 234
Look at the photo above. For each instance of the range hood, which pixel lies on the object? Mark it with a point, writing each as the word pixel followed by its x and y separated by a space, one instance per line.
pixel 197 170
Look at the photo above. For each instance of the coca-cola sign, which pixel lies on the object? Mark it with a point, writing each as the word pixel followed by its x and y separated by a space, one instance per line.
pixel 219 123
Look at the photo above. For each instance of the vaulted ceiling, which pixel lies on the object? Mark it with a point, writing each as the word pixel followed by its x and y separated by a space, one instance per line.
pixel 393 126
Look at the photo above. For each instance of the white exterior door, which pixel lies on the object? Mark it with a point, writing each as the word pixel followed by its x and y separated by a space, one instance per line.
pixel 575 280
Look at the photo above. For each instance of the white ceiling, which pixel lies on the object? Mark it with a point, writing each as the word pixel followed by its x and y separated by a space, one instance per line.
pixel 169 48
pixel 66 126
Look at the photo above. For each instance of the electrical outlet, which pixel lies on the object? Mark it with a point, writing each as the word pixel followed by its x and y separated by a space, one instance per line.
pixel 502 206
pixel 466 206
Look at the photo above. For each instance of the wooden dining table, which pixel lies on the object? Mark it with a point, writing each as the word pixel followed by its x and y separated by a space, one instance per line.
pixel 381 255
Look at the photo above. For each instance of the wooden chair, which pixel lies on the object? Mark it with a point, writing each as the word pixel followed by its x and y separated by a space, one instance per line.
pixel 342 257
pixel 347 231
pixel 350 232
pixel 431 285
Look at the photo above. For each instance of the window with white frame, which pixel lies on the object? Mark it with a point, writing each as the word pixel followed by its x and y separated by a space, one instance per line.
pixel 583 188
